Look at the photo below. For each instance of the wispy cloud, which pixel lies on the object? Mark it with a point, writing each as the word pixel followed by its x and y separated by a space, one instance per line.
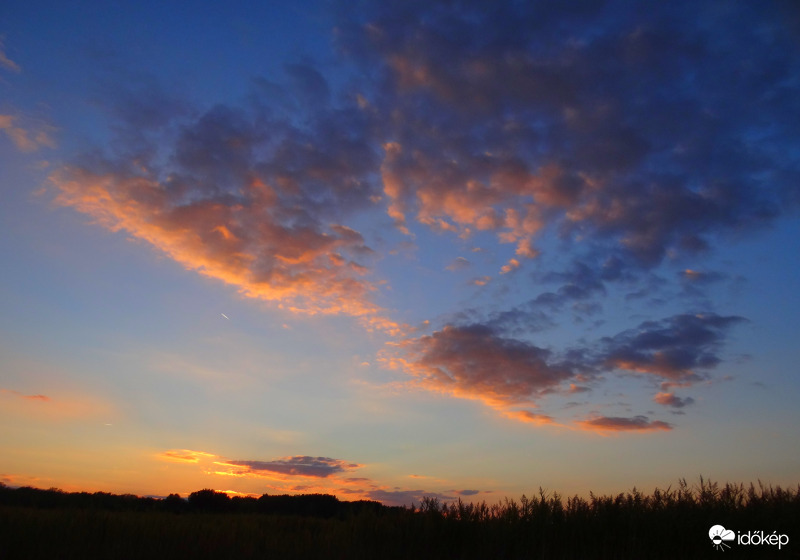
pixel 57 406
pixel 44 398
pixel 185 456
pixel 6 62
pixel 27 139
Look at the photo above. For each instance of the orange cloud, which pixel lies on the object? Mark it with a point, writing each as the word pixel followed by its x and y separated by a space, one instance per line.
pixel 184 456
pixel 244 243
pixel 605 424
pixel 512 265
pixel 528 416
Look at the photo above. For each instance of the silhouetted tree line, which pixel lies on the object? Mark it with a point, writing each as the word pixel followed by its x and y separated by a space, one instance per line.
pixel 206 501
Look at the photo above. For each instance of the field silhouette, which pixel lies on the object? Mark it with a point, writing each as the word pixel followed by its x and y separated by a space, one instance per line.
pixel 671 523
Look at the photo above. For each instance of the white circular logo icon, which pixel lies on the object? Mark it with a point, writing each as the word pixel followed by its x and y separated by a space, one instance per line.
pixel 718 535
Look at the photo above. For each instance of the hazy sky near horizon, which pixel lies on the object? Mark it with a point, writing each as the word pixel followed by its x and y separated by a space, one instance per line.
pixel 393 249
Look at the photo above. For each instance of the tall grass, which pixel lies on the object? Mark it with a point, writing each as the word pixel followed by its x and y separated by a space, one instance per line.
pixel 670 523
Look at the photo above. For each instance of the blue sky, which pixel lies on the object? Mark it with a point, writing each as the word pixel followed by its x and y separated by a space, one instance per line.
pixel 386 250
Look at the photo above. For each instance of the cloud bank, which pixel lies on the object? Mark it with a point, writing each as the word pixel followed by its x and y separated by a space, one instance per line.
pixel 592 144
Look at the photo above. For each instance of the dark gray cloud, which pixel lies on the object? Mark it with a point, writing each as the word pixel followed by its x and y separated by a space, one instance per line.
pixel 472 361
pixel 646 132
pixel 679 349
pixel 310 86
pixel 475 361
pixel 581 282
pixel 300 465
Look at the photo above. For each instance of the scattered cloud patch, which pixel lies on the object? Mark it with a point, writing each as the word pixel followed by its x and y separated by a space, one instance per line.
pixel 459 263
pixel 481 281
pixel 27 139
pixel 510 266
pixel 670 399
pixel 573 389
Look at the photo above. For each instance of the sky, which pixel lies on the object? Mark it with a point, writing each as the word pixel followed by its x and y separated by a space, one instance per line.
pixel 395 249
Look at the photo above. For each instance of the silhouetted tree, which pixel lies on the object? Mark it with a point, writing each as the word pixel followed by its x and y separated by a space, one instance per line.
pixel 209 500
pixel 175 503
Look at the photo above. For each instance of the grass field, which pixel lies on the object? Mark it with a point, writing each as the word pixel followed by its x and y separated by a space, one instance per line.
pixel 672 523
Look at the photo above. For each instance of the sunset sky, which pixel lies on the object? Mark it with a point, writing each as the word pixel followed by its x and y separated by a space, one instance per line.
pixel 392 249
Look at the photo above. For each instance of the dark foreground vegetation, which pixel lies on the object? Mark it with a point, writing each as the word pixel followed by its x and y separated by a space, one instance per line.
pixel 671 523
